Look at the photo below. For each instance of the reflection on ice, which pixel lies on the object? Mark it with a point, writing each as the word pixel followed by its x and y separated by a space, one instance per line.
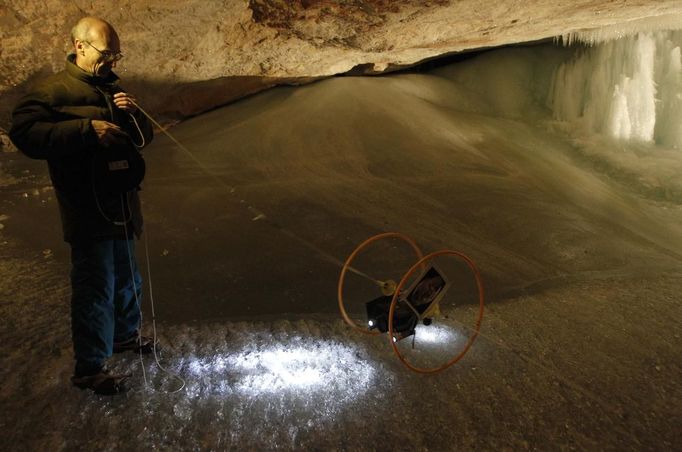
pixel 435 334
pixel 273 383
pixel 308 365
pixel 311 367
pixel 199 367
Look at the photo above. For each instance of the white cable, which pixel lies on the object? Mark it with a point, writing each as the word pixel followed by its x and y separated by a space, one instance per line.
pixel 139 307
pixel 138 146
pixel 137 299
pixel 151 302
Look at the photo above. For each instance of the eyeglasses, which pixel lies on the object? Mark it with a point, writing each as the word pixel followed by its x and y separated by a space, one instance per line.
pixel 109 57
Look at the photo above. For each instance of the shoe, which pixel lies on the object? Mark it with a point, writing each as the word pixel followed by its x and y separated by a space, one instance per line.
pixel 137 344
pixel 103 382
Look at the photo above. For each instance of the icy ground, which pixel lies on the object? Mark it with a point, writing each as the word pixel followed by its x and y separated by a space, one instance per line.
pixel 546 377
pixel 578 237
pixel 313 383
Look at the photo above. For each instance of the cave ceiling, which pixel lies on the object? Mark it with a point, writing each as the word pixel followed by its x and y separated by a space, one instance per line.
pixel 184 57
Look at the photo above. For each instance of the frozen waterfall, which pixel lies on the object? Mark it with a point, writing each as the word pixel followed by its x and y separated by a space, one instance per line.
pixel 628 88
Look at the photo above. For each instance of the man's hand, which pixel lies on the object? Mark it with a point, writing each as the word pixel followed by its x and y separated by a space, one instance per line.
pixel 108 133
pixel 125 102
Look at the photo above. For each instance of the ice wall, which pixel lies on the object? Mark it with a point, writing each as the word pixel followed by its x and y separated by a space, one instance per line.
pixel 628 88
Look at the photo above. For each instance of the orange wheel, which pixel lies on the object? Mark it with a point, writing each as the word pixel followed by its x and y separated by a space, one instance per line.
pixel 347 266
pixel 394 301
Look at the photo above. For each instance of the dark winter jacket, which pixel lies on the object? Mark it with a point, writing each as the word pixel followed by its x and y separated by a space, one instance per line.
pixel 53 123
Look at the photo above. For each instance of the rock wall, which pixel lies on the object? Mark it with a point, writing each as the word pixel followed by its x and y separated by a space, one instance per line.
pixel 183 57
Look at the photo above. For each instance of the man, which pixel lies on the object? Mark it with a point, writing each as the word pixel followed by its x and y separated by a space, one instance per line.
pixel 77 120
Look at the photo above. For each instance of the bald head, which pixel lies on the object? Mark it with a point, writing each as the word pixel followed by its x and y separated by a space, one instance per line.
pixel 93 39
pixel 91 28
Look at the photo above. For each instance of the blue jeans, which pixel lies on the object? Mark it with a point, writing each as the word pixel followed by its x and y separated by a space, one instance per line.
pixel 104 308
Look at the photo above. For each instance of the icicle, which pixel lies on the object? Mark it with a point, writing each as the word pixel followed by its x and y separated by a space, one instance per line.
pixel 617 31
pixel 629 88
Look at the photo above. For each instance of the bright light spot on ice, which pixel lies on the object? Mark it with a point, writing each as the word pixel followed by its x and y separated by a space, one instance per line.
pixel 434 334
pixel 302 367
pixel 277 367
